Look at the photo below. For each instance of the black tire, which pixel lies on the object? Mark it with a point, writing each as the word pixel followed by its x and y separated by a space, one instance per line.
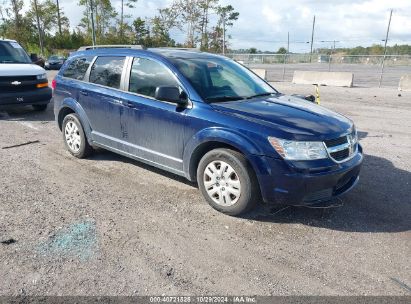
pixel 249 191
pixel 40 107
pixel 84 149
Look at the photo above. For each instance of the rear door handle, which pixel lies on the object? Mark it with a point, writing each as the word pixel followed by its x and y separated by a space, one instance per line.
pixel 129 104
pixel 85 93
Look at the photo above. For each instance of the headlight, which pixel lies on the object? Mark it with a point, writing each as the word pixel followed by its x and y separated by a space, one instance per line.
pixel 354 135
pixel 299 150
pixel 42 76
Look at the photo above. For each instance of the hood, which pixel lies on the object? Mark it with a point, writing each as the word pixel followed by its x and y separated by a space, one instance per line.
pixel 289 117
pixel 20 69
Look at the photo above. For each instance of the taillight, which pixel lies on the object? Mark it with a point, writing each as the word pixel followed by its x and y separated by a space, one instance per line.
pixel 53 84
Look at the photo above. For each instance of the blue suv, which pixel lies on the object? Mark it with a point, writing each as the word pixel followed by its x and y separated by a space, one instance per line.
pixel 209 119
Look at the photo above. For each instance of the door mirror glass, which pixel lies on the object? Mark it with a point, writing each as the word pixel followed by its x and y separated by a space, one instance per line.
pixel 171 94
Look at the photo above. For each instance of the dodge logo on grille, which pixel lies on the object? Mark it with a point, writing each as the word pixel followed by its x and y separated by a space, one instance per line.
pixel 16 83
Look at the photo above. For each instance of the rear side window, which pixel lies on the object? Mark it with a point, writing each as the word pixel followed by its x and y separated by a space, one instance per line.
pixel 78 68
pixel 107 71
pixel 146 75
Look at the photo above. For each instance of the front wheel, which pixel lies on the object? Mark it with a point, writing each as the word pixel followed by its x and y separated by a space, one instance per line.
pixel 74 137
pixel 227 181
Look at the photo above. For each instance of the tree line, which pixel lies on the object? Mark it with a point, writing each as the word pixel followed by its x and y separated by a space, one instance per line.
pixel 43 27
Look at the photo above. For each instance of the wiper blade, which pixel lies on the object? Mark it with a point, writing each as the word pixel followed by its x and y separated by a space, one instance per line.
pixel 224 98
pixel 261 95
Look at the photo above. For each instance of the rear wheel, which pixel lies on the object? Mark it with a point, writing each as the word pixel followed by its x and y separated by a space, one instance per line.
pixel 40 107
pixel 227 181
pixel 74 137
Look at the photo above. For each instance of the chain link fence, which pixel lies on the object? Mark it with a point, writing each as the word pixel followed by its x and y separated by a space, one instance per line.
pixel 366 68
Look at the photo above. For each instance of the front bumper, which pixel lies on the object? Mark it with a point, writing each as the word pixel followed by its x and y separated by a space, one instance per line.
pixel 36 96
pixel 307 183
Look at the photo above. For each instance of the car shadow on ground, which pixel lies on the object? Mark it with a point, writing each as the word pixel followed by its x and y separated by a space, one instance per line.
pixel 27 113
pixel 381 202
pixel 105 155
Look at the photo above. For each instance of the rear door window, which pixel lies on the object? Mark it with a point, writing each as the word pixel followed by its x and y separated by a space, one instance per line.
pixel 146 75
pixel 107 71
pixel 78 68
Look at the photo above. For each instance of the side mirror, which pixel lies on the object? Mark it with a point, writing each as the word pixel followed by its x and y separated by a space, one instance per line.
pixel 171 94
pixel 34 57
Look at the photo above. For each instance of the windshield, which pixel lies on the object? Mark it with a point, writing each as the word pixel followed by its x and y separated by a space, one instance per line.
pixel 12 52
pixel 220 79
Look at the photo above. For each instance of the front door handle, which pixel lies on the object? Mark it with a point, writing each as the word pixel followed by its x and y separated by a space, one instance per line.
pixel 85 93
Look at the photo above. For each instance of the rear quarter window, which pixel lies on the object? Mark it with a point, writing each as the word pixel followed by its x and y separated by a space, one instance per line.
pixel 77 68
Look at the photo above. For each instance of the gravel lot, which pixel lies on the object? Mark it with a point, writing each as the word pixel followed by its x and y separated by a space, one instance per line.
pixel 108 225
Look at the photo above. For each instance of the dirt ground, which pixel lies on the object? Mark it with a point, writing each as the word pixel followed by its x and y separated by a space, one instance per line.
pixel 108 225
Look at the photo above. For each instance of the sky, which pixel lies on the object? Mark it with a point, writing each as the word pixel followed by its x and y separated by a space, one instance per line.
pixel 264 24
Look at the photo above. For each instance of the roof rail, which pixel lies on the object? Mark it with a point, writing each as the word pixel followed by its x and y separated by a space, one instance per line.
pixel 181 48
pixel 111 46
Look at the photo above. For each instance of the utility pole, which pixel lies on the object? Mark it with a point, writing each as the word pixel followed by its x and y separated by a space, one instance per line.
pixel 39 28
pixel 312 40
pixel 385 49
pixel 286 53
pixel 58 16
pixel 224 33
pixel 93 31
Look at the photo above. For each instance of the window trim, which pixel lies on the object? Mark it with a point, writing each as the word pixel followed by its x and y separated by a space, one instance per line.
pixel 128 75
pixel 101 85
pixel 86 74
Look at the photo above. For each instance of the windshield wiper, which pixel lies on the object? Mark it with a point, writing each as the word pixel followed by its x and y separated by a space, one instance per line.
pixel 224 98
pixel 261 95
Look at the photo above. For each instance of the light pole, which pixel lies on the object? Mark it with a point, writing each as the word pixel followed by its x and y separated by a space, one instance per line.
pixel 39 28
pixel 312 40
pixel 93 31
pixel 385 49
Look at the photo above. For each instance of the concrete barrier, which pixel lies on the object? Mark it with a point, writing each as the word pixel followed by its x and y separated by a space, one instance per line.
pixel 336 79
pixel 405 83
pixel 261 73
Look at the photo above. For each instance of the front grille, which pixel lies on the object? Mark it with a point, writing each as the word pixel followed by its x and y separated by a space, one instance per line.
pixel 341 148
pixel 10 79
pixel 336 142
pixel 340 155
pixel 26 83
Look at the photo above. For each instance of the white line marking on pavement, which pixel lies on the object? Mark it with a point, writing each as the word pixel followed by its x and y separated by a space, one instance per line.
pixel 28 124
